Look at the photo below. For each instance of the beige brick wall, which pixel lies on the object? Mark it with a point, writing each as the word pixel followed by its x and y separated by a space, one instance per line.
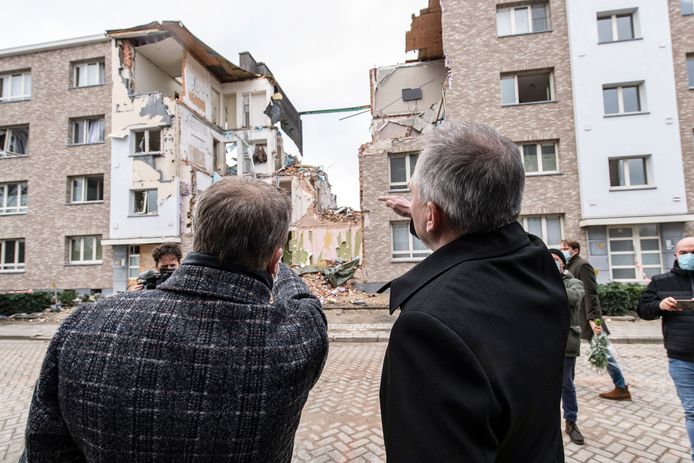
pixel 477 57
pixel 49 162
pixel 682 32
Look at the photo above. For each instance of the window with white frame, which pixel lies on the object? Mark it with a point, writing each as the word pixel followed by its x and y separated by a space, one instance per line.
pixel 87 130
pixel 523 19
pixel 687 7
pixel 143 202
pixel 526 87
pixel 13 198
pixel 88 73
pixel 84 249
pixel 133 262
pixel 629 172
pixel 404 245
pixel 14 141
pixel 12 255
pixel 690 71
pixel 621 99
pixel 86 189
pixel 148 142
pixel 401 166
pixel 540 158
pixel 614 27
pixel 634 252
pixel 546 227
pixel 15 86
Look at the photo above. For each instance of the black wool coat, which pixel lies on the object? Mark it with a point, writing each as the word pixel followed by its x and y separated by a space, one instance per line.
pixel 203 369
pixel 473 369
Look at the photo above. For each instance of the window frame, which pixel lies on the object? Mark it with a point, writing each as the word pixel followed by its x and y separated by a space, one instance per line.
pixel 626 175
pixel 95 253
pixel 131 255
pixel 8 77
pixel 615 29
pixel 409 169
pixel 85 178
pixel 79 65
pixel 4 150
pixel 688 4
pixel 147 136
pixel 690 70
pixel 620 98
pixel 524 223
pixel 512 16
pixel 16 266
pixel 146 213
pixel 22 190
pixel 409 254
pixel 550 76
pixel 638 264
pixel 539 144
pixel 85 132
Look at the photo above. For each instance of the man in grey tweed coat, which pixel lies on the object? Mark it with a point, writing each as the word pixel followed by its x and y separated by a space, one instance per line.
pixel 214 365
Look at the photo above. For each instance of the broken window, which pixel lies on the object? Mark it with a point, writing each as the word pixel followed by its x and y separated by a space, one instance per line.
pixel 12 255
pixel 401 169
pixel 15 86
pixel 259 153
pixel 523 19
pixel 13 198
pixel 88 73
pixel 87 189
pixel 148 142
pixel 87 130
pixel 143 202
pixel 14 141
pixel 526 87
pixel 84 249
pixel 404 245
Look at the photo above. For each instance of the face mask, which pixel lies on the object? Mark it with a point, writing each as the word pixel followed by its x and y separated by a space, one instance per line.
pixel 567 255
pixel 558 266
pixel 686 261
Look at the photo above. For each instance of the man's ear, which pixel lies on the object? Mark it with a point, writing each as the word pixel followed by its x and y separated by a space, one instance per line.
pixel 273 267
pixel 434 217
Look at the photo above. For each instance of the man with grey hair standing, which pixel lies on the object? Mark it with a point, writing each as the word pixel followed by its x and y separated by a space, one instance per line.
pixel 473 369
pixel 213 365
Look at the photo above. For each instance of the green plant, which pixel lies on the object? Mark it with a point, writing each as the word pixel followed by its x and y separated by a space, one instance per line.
pixel 13 303
pixel 619 298
pixel 67 296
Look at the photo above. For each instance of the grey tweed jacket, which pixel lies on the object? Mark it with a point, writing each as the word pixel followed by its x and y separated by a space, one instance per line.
pixel 203 369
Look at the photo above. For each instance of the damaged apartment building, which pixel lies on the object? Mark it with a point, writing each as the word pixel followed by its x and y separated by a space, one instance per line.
pixel 136 124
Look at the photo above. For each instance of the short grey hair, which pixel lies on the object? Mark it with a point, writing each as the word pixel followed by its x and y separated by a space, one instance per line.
pixel 241 221
pixel 473 174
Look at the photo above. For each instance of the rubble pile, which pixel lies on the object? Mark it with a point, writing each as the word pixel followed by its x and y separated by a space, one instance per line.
pixel 341 214
pixel 321 287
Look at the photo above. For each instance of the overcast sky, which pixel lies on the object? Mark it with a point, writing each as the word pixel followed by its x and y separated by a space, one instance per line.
pixel 320 51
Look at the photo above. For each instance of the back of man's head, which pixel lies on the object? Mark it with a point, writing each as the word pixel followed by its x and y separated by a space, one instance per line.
pixel 473 174
pixel 241 221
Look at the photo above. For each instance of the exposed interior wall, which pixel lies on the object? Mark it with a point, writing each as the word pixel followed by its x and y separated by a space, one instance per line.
pixel 331 242
pixel 230 110
pixel 149 78
pixel 196 86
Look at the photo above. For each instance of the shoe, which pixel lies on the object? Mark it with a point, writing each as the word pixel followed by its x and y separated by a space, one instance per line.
pixel 618 393
pixel 573 432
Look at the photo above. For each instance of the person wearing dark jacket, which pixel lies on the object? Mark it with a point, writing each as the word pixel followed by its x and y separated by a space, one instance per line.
pixel 660 300
pixel 473 368
pixel 591 311
pixel 214 365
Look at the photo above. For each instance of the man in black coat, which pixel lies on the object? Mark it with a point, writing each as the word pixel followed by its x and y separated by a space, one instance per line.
pixel 214 365
pixel 473 370
pixel 661 300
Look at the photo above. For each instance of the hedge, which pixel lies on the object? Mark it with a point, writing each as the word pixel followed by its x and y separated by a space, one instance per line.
pixel 37 301
pixel 619 298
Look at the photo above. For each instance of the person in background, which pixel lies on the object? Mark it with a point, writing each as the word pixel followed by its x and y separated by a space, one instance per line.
pixel 167 258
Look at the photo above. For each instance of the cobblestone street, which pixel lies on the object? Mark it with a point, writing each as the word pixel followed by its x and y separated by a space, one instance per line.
pixel 341 422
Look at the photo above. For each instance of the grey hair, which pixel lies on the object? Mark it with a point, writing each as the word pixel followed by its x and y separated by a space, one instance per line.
pixel 241 221
pixel 473 174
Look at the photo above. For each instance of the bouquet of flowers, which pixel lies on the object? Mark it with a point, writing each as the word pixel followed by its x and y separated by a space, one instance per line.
pixel 597 354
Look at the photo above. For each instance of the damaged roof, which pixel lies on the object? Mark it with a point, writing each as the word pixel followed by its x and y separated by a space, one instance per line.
pixel 224 70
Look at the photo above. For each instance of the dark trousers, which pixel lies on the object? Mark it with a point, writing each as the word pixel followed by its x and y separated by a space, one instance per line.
pixel 568 390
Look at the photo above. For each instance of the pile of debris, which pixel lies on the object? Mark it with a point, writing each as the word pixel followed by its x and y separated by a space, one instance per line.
pixel 341 214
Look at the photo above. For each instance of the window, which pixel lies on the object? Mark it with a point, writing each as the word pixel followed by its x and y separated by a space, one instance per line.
pixel 615 27
pixel 133 262
pixel 547 228
pixel 148 142
pixel 88 73
pixel 87 189
pixel 85 249
pixel 13 198
pixel 621 99
pixel 12 255
pixel 526 87
pixel 634 252
pixel 15 86
pixel 14 141
pixel 143 202
pixel 522 19
pixel 87 130
pixel 629 172
pixel 405 246
pixel 687 7
pixel 246 101
pixel 690 71
pixel 540 158
pixel 401 167
pixel 215 107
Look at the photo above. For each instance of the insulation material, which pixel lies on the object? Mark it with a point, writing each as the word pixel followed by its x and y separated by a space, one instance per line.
pixel 425 33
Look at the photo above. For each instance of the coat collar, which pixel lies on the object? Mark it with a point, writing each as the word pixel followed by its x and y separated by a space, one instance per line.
pixel 468 247
pixel 204 275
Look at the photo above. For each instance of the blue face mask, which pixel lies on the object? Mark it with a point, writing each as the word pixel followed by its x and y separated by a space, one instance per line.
pixel 686 261
pixel 567 255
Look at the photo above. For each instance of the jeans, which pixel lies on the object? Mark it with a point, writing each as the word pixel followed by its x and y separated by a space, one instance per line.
pixel 568 390
pixel 682 373
pixel 613 368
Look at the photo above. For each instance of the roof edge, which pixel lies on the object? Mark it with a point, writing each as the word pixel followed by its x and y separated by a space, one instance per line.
pixel 53 45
